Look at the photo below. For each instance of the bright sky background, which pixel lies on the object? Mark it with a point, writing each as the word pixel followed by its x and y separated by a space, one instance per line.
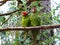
pixel 53 5
pixel 4 8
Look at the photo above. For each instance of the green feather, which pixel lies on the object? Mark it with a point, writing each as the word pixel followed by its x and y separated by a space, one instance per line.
pixel 35 20
pixel 25 21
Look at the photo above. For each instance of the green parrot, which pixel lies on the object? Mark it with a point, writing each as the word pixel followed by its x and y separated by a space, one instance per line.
pixel 35 21
pixel 25 19
pixel 25 22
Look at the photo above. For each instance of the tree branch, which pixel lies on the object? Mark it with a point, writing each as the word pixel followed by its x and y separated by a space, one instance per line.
pixel 3 2
pixel 30 28
pixel 9 13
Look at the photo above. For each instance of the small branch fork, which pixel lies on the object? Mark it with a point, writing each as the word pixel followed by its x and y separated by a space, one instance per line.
pixel 30 28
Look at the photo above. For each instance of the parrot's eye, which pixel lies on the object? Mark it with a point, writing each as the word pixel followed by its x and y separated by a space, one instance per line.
pixel 22 6
pixel 39 4
pixel 33 9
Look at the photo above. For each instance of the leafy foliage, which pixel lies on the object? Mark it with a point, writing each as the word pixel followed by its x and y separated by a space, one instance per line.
pixel 26 37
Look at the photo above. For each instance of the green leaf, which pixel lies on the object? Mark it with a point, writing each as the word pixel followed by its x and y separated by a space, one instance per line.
pixel 2 19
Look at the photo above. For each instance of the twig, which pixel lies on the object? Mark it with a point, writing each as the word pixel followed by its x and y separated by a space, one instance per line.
pixel 2 2
pixel 55 2
pixel 30 28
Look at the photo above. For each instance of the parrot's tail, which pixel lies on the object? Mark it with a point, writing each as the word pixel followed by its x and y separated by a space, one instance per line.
pixel 34 41
pixel 34 38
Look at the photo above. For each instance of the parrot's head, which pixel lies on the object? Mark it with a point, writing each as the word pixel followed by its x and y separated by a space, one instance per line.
pixel 33 9
pixel 24 13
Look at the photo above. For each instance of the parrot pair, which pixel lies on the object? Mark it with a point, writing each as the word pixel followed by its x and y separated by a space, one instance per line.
pixel 31 20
